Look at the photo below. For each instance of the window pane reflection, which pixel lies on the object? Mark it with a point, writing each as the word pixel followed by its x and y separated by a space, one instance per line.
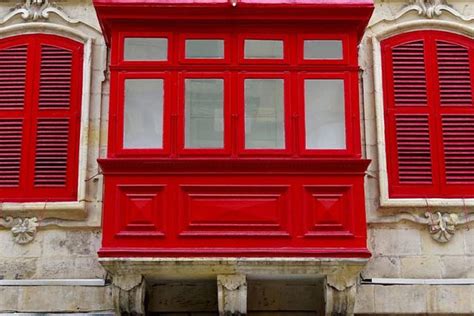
pixel 255 49
pixel 324 114
pixel 212 49
pixel 137 48
pixel 204 113
pixel 264 114
pixel 322 49
pixel 143 114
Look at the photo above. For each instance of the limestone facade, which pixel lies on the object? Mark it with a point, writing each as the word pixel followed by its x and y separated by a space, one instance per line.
pixel 60 240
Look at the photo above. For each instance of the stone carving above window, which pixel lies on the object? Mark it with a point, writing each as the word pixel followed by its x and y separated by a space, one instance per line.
pixel 23 229
pixel 429 9
pixel 37 10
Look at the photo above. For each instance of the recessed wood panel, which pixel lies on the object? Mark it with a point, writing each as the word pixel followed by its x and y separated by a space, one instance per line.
pixel 327 210
pixel 140 209
pixel 234 210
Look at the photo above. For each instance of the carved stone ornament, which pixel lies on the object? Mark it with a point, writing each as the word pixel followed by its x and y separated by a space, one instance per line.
pixel 23 229
pixel 429 9
pixel 442 226
pixel 37 10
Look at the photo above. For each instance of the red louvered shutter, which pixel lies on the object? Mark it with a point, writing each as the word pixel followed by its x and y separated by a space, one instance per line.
pixel 455 59
pixel 40 158
pixel 429 114
pixel 408 118
pixel 13 69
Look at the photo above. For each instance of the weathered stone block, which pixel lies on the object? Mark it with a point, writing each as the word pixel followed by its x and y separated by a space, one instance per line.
pixel 17 268
pixel 456 267
pixel 454 247
pixel 64 298
pixel 8 298
pixel 382 267
pixel 421 267
pixel 365 303
pixel 395 242
pixel 469 241
pixel 404 299
pixel 452 298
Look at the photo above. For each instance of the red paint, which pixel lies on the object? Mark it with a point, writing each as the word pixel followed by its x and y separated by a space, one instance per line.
pixel 234 201
pixel 293 207
pixel 429 114
pixel 39 131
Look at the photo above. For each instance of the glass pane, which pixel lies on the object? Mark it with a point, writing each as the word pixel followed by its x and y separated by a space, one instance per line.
pixel 204 113
pixel 264 113
pixel 143 117
pixel 263 49
pixel 323 49
pixel 146 48
pixel 324 114
pixel 205 49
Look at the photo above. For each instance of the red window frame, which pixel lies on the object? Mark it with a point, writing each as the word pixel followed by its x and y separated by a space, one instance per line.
pixel 433 111
pixel 31 113
pixel 234 67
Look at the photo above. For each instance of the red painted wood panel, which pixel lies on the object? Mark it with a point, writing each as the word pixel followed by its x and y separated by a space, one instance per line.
pixel 222 207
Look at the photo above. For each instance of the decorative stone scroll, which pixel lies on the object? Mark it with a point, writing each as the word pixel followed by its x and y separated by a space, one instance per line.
pixel 429 9
pixel 37 10
pixel 23 229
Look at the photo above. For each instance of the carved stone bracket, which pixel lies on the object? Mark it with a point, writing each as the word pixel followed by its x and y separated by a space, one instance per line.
pixel 429 9
pixel 23 229
pixel 129 294
pixel 232 295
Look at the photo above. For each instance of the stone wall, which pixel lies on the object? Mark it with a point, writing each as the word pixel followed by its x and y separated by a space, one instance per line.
pixel 67 235
pixel 398 231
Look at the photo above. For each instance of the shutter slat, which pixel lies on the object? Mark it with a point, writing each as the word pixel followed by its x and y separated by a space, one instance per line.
pixel 51 152
pixel 55 79
pixel 409 74
pixel 458 141
pixel 413 147
pixel 13 62
pixel 11 135
pixel 454 74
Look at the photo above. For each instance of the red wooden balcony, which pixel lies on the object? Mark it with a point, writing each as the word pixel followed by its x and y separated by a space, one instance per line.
pixel 234 129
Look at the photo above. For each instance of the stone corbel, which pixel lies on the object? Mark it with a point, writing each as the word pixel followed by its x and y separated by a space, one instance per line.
pixel 232 295
pixel 429 9
pixel 341 290
pixel 129 294
pixel 23 229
